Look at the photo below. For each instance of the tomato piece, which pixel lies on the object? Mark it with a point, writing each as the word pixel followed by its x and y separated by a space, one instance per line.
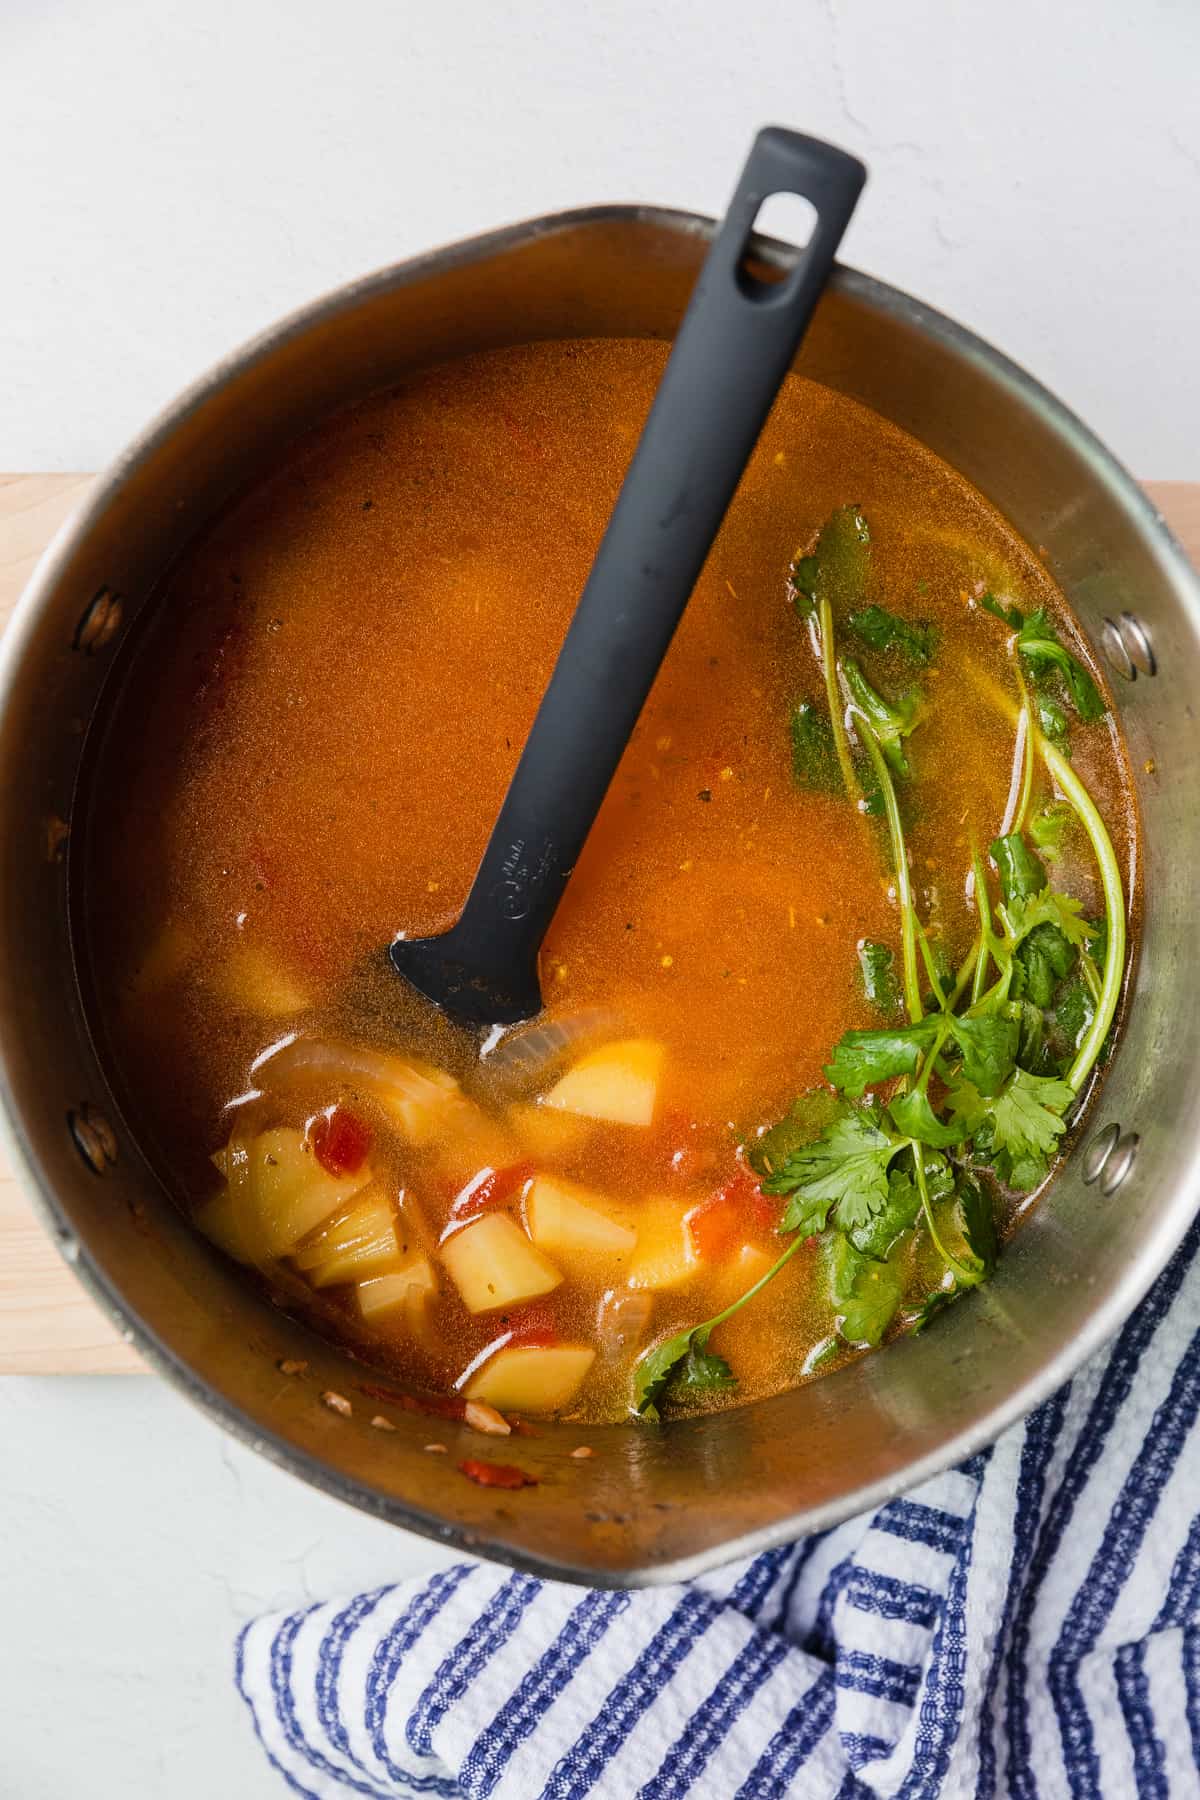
pixel 531 1326
pixel 340 1140
pixel 437 1406
pixel 680 1147
pixel 491 1187
pixel 497 1475
pixel 718 1225
pixel 716 1228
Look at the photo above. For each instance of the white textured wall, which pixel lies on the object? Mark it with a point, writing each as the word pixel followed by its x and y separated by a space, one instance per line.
pixel 178 172
pixel 174 176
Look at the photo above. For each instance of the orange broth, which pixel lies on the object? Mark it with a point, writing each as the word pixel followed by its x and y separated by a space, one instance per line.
pixel 312 737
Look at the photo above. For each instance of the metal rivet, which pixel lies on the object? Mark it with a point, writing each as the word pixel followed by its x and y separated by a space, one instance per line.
pixel 1136 640
pixel 100 623
pixel 57 831
pixel 1119 1163
pixel 94 1138
pixel 1116 652
pixel 1095 1157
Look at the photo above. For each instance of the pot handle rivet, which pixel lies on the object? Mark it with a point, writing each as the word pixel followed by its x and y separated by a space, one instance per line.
pixel 1127 647
pixel 1137 642
pixel 100 623
pixel 93 1137
pixel 1098 1152
pixel 1118 1165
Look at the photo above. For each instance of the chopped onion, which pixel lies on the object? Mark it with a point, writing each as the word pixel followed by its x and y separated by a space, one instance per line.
pixel 299 1062
pixel 623 1320
pixel 521 1058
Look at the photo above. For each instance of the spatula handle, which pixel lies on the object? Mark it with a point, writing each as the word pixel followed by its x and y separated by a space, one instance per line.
pixel 734 347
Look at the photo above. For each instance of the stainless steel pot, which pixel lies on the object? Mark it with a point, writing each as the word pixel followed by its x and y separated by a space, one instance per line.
pixel 650 1505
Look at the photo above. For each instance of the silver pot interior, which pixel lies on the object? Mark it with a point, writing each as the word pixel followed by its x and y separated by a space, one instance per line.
pixel 650 1504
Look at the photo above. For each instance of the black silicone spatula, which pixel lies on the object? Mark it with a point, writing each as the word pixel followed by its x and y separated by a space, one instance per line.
pixel 734 347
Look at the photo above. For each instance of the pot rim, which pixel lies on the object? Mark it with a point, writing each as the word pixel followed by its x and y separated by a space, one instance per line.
pixel 1158 1244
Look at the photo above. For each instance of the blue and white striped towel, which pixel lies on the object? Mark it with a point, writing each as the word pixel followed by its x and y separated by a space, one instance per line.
pixel 1026 1625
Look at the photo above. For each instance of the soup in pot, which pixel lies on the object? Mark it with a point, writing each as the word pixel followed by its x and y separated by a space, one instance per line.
pixel 834 975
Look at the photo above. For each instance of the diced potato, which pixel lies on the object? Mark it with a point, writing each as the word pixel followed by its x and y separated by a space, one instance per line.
pixel 420 1098
pixel 618 1082
pixel 492 1264
pixel 666 1255
pixel 546 1133
pixel 284 1193
pixel 218 1220
pixel 474 1141
pixel 359 1243
pixel 382 1296
pixel 569 1221
pixel 739 1273
pixel 532 1378
pixel 252 980
pixel 165 960
pixel 751 1340
pixel 622 1321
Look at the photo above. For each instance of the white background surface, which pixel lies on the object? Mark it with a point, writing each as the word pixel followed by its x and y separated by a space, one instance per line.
pixel 177 174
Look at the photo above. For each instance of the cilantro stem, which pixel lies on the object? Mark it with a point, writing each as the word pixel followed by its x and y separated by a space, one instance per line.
pixel 935 980
pixel 797 1243
pixel 918 1155
pixel 1029 748
pixel 965 973
pixel 1084 806
pixel 908 935
pixel 1091 975
pixel 1114 907
pixel 833 696
pixel 983 908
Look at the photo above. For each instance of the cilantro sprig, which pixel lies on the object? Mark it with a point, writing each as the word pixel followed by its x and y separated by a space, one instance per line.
pixel 897 1167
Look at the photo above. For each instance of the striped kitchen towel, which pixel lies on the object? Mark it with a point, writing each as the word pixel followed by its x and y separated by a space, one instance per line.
pixel 1025 1625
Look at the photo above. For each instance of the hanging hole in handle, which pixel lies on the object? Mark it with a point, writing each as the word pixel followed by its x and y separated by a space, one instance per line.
pixel 792 220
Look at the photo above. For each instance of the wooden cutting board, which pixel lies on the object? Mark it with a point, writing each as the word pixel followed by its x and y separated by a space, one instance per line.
pixel 48 1324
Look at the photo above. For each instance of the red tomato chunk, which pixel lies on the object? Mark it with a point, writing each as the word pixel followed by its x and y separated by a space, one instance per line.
pixel 340 1140
pixel 497 1475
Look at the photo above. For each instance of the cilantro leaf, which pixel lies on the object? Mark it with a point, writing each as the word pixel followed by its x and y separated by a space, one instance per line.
pixel 890 723
pixel 1052 828
pixel 1053 720
pixel 1022 1123
pixel 808 1118
pixel 1034 1051
pixel 978 1222
pixel 1073 1014
pixel 913 1115
pixel 1062 911
pixel 1021 873
pixel 846 1167
pixel 865 1294
pixel 932 1304
pixel 702 1372
pixel 802 580
pixel 1012 615
pixel 899 1213
pixel 838 567
pixel 989 1048
pixel 684 1361
pixel 967 1229
pixel 1097 930
pixel 882 630
pixel 863 1058
pixel 878 966
pixel 814 756
pixel 1039 644
pixel 1043 959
